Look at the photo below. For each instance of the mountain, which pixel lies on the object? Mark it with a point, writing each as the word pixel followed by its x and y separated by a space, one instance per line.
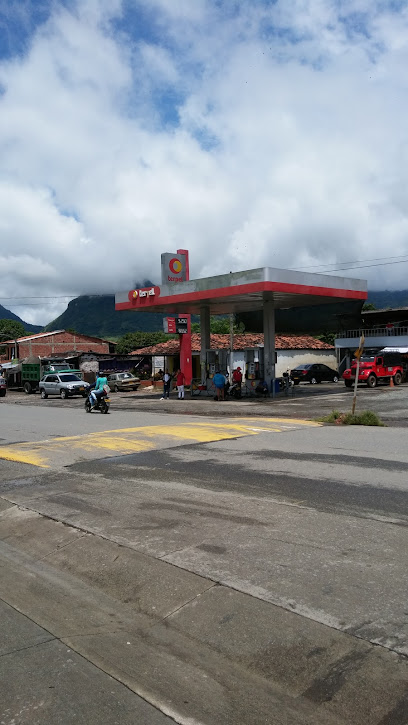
pixel 7 315
pixel 96 315
pixel 382 299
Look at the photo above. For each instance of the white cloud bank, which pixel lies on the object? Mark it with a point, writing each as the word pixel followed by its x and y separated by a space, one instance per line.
pixel 272 134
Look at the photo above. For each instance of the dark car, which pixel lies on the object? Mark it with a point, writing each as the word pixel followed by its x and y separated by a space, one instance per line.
pixel 314 373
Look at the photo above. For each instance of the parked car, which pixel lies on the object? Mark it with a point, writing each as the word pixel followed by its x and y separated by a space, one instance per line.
pixel 123 381
pixel 62 384
pixel 314 373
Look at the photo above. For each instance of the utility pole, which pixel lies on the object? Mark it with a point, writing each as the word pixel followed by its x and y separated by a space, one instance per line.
pixel 358 353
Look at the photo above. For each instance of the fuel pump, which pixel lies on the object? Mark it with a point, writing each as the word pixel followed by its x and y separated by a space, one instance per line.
pixel 215 360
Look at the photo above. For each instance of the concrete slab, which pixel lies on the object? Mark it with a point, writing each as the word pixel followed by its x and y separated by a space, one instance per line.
pixel 46 683
pixel 141 582
pixel 18 632
pixel 36 535
pixel 325 566
pixel 306 659
pixel 221 657
pixel 182 681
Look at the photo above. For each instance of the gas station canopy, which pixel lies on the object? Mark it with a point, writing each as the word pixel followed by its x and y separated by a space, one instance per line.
pixel 243 292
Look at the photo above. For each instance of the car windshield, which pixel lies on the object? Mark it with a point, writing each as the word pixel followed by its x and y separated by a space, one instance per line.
pixel 302 367
pixel 125 375
pixel 367 358
pixel 69 378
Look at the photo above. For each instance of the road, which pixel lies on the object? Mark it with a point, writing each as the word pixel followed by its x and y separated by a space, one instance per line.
pixel 164 567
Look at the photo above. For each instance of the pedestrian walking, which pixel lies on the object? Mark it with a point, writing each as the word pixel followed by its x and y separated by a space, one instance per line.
pixel 180 384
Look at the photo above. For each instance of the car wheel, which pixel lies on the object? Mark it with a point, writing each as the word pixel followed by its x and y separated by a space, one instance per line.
pixel 313 381
pixel 83 395
pixel 335 378
pixel 63 394
pixel 116 389
pixel 44 394
pixel 371 381
pixel 348 383
pixel 296 382
pixel 397 378
pixel 27 388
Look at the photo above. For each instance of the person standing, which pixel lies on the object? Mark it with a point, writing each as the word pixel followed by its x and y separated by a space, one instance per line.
pixel 180 384
pixel 237 377
pixel 219 382
pixel 166 384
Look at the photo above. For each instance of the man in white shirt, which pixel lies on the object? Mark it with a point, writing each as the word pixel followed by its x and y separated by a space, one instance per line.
pixel 166 384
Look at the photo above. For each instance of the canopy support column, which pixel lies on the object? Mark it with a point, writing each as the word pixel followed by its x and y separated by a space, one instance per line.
pixel 269 344
pixel 205 341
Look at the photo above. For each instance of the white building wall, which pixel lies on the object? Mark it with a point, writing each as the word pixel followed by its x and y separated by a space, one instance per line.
pixel 291 358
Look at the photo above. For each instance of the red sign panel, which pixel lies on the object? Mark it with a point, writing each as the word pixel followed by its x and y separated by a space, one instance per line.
pixel 171 325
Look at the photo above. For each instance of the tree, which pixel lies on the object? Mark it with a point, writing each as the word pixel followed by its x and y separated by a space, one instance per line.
pixel 368 306
pixel 9 330
pixel 134 340
pixel 220 326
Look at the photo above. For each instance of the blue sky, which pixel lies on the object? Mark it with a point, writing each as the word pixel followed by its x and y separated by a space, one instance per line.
pixel 249 132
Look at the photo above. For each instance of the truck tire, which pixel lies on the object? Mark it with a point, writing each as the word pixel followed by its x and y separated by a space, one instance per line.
pixel 371 381
pixel 27 388
pixel 348 383
pixel 398 378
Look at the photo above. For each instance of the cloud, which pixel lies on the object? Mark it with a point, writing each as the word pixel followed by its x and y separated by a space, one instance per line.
pixel 250 133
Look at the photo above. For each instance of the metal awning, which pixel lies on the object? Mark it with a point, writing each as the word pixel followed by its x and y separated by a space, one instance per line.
pixel 243 292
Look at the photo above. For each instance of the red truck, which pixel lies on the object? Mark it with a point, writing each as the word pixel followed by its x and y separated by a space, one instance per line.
pixel 375 369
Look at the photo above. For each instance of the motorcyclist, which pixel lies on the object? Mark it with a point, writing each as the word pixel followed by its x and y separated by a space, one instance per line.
pixel 98 392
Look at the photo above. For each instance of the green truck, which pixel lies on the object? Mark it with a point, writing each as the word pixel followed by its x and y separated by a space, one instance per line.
pixel 28 373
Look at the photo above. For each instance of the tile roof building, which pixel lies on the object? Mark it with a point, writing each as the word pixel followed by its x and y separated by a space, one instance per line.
pixel 291 350
pixel 241 342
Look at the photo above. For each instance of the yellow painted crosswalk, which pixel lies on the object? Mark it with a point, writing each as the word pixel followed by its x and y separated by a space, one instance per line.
pixel 63 450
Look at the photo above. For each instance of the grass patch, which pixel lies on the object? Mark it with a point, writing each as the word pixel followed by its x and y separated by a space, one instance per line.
pixel 366 417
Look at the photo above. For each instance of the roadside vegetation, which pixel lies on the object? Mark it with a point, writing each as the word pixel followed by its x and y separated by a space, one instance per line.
pixel 366 417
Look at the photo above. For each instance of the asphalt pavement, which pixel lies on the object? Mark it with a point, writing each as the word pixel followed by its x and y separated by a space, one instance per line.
pixel 203 569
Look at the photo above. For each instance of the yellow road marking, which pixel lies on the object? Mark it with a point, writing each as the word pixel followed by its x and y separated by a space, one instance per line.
pixel 122 441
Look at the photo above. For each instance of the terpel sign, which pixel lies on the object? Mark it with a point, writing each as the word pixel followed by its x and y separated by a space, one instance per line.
pixel 173 268
pixel 140 294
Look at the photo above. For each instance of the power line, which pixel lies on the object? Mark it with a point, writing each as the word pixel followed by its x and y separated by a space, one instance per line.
pixel 356 261
pixel 363 266
pixel 335 267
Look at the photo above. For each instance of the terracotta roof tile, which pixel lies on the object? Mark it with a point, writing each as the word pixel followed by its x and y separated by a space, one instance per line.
pixel 241 342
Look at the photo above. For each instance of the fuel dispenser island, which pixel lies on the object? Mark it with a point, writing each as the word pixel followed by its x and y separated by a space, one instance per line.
pixel 254 368
pixel 215 360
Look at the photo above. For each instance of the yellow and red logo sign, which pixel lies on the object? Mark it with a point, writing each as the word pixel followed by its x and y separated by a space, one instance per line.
pixel 175 265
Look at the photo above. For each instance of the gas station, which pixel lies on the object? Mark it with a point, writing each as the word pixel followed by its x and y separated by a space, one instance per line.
pixel 265 290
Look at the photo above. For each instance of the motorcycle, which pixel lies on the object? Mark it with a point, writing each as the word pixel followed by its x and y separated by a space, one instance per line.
pixel 102 404
pixel 235 391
